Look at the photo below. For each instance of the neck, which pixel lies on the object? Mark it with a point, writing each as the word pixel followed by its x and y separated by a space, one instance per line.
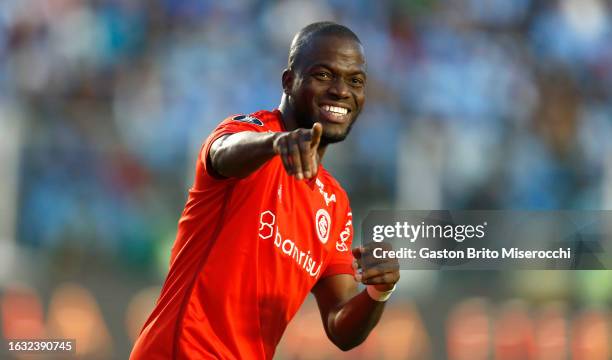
pixel 288 114
pixel 290 121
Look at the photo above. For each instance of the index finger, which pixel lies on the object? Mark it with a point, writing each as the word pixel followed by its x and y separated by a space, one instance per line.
pixel 317 131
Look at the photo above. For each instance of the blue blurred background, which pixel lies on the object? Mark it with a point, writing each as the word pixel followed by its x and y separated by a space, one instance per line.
pixel 472 104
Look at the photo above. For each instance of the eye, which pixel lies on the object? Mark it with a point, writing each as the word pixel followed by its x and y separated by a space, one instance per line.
pixel 323 75
pixel 357 81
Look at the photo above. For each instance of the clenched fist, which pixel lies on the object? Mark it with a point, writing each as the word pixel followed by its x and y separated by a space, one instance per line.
pixel 370 270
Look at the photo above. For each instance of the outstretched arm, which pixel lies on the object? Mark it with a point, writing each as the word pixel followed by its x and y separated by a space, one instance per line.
pixel 348 315
pixel 240 154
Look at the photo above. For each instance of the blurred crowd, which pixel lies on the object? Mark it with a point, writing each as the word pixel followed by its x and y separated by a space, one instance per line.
pixel 472 104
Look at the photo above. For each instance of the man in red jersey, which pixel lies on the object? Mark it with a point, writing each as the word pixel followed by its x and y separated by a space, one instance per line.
pixel 265 223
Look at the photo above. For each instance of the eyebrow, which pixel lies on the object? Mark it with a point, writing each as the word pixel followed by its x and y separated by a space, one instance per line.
pixel 327 66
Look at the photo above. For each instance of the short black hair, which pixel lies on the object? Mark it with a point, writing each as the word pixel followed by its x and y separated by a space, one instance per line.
pixel 303 38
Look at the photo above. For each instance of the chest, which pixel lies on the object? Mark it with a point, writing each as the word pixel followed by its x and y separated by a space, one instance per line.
pixel 299 222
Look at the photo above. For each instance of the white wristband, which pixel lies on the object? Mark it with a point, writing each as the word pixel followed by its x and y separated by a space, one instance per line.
pixel 377 295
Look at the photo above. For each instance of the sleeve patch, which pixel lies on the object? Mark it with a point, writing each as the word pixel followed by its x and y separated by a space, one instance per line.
pixel 248 119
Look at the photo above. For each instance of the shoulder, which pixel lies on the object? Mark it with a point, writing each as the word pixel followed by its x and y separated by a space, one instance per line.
pixel 249 119
pixel 260 121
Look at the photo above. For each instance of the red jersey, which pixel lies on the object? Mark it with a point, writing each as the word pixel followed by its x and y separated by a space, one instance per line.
pixel 247 253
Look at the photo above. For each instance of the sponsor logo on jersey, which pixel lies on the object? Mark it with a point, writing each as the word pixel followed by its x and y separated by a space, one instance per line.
pixel 303 259
pixel 266 221
pixel 323 225
pixel 248 119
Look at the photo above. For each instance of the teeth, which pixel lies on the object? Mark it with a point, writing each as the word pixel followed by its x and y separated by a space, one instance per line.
pixel 335 109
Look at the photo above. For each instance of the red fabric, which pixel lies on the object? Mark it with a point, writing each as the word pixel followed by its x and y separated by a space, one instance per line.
pixel 246 255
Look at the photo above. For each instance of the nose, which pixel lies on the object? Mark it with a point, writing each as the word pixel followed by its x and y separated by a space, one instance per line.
pixel 339 89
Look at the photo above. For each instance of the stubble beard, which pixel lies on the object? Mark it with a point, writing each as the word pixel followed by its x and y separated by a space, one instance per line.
pixel 326 137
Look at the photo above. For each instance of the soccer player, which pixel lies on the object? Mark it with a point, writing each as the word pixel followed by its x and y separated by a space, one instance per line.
pixel 265 223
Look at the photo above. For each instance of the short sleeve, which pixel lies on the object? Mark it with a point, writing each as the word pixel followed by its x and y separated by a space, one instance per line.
pixel 231 125
pixel 342 260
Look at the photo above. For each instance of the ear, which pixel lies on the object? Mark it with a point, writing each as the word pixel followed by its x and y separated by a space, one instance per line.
pixel 288 77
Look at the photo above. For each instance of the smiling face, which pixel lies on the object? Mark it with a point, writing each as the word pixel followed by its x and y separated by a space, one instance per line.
pixel 327 85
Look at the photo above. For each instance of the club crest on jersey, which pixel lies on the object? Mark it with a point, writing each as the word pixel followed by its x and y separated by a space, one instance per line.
pixel 323 225
pixel 248 119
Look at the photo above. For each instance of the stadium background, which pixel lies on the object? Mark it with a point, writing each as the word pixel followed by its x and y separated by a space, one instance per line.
pixel 472 104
